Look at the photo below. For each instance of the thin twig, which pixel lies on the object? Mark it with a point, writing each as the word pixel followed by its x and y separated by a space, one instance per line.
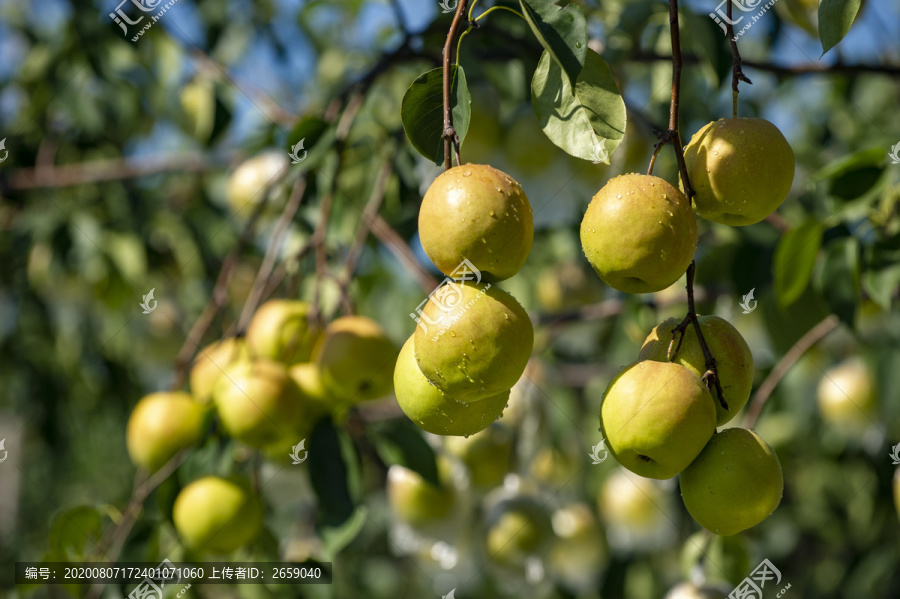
pixel 736 74
pixel 368 217
pixel 451 139
pixel 265 269
pixel 784 364
pixel 404 254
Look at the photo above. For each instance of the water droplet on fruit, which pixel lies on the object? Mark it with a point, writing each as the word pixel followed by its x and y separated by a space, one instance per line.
pixel 619 196
pixel 492 213
pixel 453 333
pixel 467 174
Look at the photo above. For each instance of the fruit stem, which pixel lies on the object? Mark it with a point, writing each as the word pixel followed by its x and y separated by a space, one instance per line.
pixel 451 139
pixel 737 75
pixel 711 376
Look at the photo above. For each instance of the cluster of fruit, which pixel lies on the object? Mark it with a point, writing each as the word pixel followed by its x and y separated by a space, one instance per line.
pixel 267 389
pixel 658 415
pixel 473 339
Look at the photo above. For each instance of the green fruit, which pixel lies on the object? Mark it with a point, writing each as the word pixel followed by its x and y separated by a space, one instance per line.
pixel 356 359
pixel 734 362
pixel 639 233
pixel 198 100
pixel 280 330
pixel 473 341
pixel 211 362
pixel 741 170
pixel 636 503
pixel 217 515
pixel 308 379
pixel 518 528
pixel 553 467
pixel 475 212
pixel 486 454
pixel 897 490
pixel 415 500
pixel 717 558
pixel 688 590
pixel 258 403
pixel 846 395
pixel 579 550
pixel 734 484
pixel 657 417
pixel 161 425
pixel 431 409
pixel 250 182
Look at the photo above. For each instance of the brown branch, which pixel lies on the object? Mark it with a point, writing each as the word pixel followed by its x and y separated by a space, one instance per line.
pixel 781 368
pixel 368 217
pixel 451 139
pixel 736 74
pixel 403 253
pixel 265 269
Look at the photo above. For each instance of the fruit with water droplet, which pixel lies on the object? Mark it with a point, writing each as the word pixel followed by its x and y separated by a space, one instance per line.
pixel 623 238
pixel 740 169
pixel 657 417
pixel 459 211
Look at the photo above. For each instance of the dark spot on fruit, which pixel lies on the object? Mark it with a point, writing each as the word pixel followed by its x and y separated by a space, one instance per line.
pixel 645 458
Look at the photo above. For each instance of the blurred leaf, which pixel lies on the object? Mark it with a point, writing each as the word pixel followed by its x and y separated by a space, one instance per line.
pixel 561 31
pixel 74 531
pixel 422 111
pixel 317 138
pixel 403 444
pixel 835 19
pixel 794 261
pixel 588 121
pixel 335 538
pixel 881 285
pixel 330 474
pixel 854 175
pixel 839 278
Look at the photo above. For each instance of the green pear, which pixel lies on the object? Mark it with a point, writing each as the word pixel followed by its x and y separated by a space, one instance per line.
pixel 846 396
pixel 415 500
pixel 473 340
pixel 161 425
pixel 518 528
pixel 308 379
pixel 734 484
pixel 249 184
pixel 258 403
pixel 475 212
pixel 638 504
pixel 217 515
pixel 553 467
pixel 657 417
pixel 740 169
pixel 639 233
pixel 356 359
pixel 734 362
pixel 486 454
pixel 579 550
pixel 431 409
pixel 725 559
pixel 280 330
pixel 211 362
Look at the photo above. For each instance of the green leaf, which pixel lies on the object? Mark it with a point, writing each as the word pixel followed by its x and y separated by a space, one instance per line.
pixel 587 121
pixel 835 19
pixel 794 261
pixel 336 538
pixel 881 284
pixel 422 111
pixel 561 31
pixel 330 474
pixel 839 278
pixel 403 444
pixel 74 531
pixel 854 175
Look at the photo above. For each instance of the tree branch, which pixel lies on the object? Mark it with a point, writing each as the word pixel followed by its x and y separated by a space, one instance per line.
pixel 781 368
pixel 736 74
pixel 451 139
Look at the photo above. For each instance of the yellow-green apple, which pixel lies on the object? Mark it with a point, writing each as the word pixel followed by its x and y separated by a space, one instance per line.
pixel 486 454
pixel 280 330
pixel 633 503
pixel 431 409
pixel 734 362
pixel 639 233
pixel 211 362
pixel 217 515
pixel 356 359
pixel 657 417
pixel 475 212
pixel 415 500
pixel 258 403
pixel 740 169
pixel 846 395
pixel 250 182
pixel 473 340
pixel 734 484
pixel 161 425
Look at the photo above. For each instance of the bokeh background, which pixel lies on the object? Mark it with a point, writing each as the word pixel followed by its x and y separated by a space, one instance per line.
pixel 115 182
